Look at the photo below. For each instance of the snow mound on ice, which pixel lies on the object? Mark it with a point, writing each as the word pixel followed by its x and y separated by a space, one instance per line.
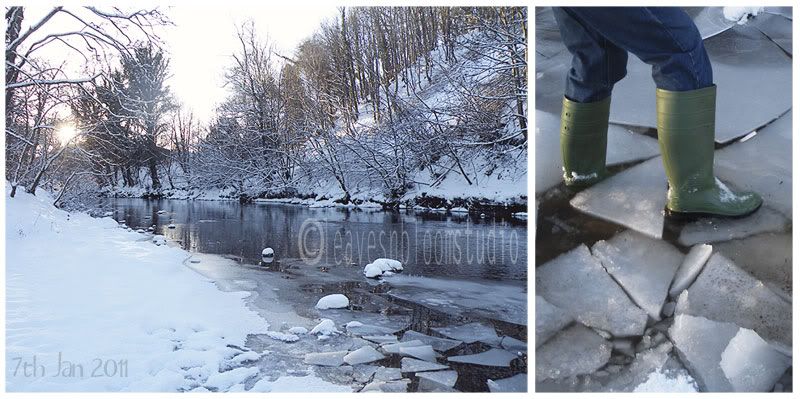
pixel 325 327
pixel 333 301
pixel 740 14
pixel 382 266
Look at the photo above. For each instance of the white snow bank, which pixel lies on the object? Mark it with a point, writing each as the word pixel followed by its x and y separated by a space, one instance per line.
pixel 333 301
pixel 79 287
pixel 308 383
pixel 740 14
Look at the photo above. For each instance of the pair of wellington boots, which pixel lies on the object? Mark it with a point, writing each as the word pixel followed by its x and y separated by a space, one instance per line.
pixel 686 139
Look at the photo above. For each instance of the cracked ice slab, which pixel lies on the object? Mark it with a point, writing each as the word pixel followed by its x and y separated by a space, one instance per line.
pixel 700 343
pixel 447 378
pixel 713 229
pixel 750 364
pixel 365 354
pixel 411 365
pixel 424 352
pixel 577 283
pixel 689 269
pixel 332 359
pixel 493 357
pixel 767 257
pixel 710 21
pixel 762 164
pixel 517 383
pixel 751 73
pixel 623 146
pixel 549 320
pixel 777 27
pixel 469 333
pixel 634 198
pixel 575 351
pixel 438 344
pixel 726 293
pixel 643 266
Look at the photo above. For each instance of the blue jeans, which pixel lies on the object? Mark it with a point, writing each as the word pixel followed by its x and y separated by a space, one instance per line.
pixel 600 39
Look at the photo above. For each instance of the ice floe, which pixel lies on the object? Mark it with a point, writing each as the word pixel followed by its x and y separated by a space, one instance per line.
pixel 577 283
pixel 411 365
pixel 549 320
pixel 517 383
pixel 438 344
pixel 643 266
pixel 447 378
pixel 365 354
pixel 493 357
pixel 574 351
pixel 689 269
pixel 471 332
pixel 332 359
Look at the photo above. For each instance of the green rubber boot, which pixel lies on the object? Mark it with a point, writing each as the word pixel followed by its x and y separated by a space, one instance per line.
pixel 584 136
pixel 686 139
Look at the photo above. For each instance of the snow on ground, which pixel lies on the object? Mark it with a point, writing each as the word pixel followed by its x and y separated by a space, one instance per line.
pixel 84 291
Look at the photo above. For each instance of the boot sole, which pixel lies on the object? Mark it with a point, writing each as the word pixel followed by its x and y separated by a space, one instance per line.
pixel 692 216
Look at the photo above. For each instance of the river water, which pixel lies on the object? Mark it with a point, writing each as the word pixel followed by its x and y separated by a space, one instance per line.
pixel 429 244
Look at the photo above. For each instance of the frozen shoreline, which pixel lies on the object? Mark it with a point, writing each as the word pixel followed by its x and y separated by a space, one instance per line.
pixel 84 291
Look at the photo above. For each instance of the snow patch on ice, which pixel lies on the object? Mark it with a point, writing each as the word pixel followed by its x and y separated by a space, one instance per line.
pixel 333 301
pixel 740 14
pixel 657 381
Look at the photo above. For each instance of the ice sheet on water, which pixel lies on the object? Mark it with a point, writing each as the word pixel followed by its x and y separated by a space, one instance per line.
pixel 767 257
pixel 493 357
pixel 365 354
pixel 700 343
pixel 489 299
pixel 623 146
pixel 514 345
pixel 549 320
pixel 710 21
pixel 574 351
pixel 750 72
pixel 689 269
pixel 471 332
pixel 387 386
pixel 363 372
pixel 711 230
pixel 517 383
pixel 395 347
pixel 367 329
pixel 726 293
pixel 777 27
pixel 643 266
pixel 447 378
pixel 411 365
pixel 423 352
pixel 634 198
pixel 281 336
pixel 438 344
pixel 750 363
pixel 381 339
pixel 387 374
pixel 762 164
pixel 577 283
pixel 333 359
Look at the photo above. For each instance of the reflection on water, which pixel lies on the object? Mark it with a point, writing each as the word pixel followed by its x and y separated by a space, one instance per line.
pixel 431 244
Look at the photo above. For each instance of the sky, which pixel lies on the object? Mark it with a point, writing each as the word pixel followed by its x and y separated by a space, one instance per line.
pixel 204 38
pixel 200 45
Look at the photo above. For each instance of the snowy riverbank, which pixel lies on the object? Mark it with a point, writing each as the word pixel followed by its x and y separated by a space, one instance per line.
pixel 93 307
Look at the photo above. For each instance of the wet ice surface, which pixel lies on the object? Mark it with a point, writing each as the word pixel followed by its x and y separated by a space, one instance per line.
pixel 750 364
pixel 725 292
pixel 574 351
pixel 767 257
pixel 644 267
pixel 750 71
pixel 623 146
pixel 634 198
pixel 777 27
pixel 577 283
pixel 700 342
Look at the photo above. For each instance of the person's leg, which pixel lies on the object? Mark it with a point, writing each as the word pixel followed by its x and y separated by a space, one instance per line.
pixel 667 39
pixel 664 37
pixel 596 65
